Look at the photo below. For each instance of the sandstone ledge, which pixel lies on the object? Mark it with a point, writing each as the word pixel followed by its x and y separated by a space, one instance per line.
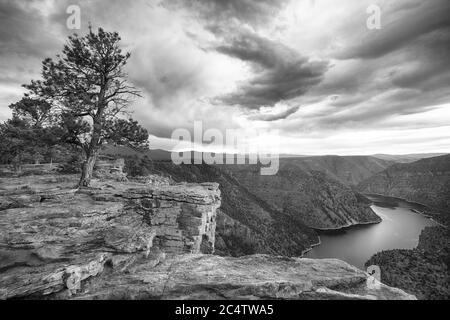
pixel 250 277
pixel 137 241
pixel 54 239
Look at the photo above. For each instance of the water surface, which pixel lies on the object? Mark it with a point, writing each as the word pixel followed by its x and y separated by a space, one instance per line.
pixel 400 229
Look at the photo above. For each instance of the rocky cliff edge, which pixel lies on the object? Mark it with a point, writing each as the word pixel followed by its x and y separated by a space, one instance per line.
pixel 132 240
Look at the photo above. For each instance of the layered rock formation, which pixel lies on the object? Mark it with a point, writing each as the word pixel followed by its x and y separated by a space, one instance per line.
pixel 110 169
pixel 183 216
pixel 55 239
pixel 136 241
pixel 251 277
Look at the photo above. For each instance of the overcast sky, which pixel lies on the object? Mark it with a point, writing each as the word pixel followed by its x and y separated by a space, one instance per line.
pixel 309 70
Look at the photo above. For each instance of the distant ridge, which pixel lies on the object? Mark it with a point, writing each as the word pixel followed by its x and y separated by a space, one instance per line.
pixel 349 170
pixel 121 151
pixel 407 158
pixel 164 155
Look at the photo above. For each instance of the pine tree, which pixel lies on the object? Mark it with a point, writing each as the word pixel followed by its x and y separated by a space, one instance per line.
pixel 89 95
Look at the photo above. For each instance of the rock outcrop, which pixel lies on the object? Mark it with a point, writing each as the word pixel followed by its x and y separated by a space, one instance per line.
pixel 183 216
pixel 55 239
pixel 136 241
pixel 110 169
pixel 251 277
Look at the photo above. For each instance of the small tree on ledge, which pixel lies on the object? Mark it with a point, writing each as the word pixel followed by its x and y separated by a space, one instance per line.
pixel 89 94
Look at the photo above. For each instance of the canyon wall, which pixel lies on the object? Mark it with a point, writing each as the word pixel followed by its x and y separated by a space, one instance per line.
pixel 308 197
pixel 426 181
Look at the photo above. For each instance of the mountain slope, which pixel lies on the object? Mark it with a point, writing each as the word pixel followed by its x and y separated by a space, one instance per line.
pixel 423 271
pixel 426 181
pixel 349 170
pixel 309 197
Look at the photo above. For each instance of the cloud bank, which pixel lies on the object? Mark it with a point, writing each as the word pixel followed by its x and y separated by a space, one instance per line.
pixel 310 69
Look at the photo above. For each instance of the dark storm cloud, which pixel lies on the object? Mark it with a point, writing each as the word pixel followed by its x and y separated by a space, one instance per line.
pixel 275 117
pixel 24 43
pixel 430 63
pixel 280 73
pixel 404 68
pixel 188 55
pixel 411 51
pixel 369 111
pixel 226 12
pixel 403 28
pixel 22 30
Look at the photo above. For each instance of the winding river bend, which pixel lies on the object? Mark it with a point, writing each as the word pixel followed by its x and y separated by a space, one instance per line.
pixel 400 229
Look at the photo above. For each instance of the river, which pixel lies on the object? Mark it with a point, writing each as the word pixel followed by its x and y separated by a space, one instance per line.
pixel 400 229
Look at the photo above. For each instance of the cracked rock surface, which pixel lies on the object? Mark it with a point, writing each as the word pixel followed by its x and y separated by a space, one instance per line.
pixel 251 277
pixel 129 240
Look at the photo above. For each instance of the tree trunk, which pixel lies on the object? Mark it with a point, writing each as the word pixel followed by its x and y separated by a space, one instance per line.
pixel 94 146
pixel 88 169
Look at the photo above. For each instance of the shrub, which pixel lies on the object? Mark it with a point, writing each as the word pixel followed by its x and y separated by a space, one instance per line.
pixel 135 167
pixel 72 165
